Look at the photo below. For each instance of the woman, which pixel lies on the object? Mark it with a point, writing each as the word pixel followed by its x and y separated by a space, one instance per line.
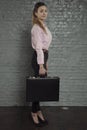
pixel 41 38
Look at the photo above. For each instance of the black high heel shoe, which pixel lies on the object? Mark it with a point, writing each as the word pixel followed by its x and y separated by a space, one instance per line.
pixel 44 122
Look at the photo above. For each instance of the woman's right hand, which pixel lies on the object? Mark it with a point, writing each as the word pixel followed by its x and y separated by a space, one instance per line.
pixel 42 70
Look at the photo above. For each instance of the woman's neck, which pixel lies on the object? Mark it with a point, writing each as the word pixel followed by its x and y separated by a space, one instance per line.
pixel 42 22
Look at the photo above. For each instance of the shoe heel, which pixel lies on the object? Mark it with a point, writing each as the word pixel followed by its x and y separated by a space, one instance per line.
pixel 45 122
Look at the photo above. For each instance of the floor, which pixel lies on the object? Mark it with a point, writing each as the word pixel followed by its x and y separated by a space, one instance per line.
pixel 59 118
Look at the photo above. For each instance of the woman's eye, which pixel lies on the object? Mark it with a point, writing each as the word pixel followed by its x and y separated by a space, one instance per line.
pixel 43 11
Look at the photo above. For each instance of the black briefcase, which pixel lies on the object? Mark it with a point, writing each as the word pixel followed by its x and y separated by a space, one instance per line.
pixel 42 89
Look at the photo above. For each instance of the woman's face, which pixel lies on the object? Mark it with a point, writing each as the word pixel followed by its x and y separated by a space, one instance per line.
pixel 42 13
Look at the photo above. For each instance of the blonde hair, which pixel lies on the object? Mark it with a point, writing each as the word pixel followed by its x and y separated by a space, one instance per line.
pixel 35 20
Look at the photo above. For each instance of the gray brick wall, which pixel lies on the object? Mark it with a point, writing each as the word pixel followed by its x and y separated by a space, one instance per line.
pixel 67 21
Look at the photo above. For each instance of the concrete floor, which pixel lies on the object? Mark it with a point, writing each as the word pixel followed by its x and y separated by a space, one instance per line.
pixel 59 118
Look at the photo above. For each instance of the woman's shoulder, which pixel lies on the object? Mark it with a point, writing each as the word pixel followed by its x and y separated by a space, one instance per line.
pixel 35 27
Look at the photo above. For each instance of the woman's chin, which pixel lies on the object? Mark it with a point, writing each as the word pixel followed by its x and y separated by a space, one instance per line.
pixel 42 19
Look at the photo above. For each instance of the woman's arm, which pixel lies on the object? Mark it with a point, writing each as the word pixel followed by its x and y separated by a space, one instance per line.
pixel 37 44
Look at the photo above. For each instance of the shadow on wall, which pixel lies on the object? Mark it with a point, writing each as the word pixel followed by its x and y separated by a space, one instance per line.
pixel 25 57
pixel 27 51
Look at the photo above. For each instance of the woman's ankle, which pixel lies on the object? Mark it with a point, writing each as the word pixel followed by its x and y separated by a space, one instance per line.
pixel 40 114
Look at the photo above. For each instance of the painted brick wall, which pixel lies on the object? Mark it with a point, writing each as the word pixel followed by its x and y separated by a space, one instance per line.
pixel 67 21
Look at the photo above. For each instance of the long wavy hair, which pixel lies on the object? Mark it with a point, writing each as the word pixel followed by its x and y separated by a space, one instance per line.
pixel 35 20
